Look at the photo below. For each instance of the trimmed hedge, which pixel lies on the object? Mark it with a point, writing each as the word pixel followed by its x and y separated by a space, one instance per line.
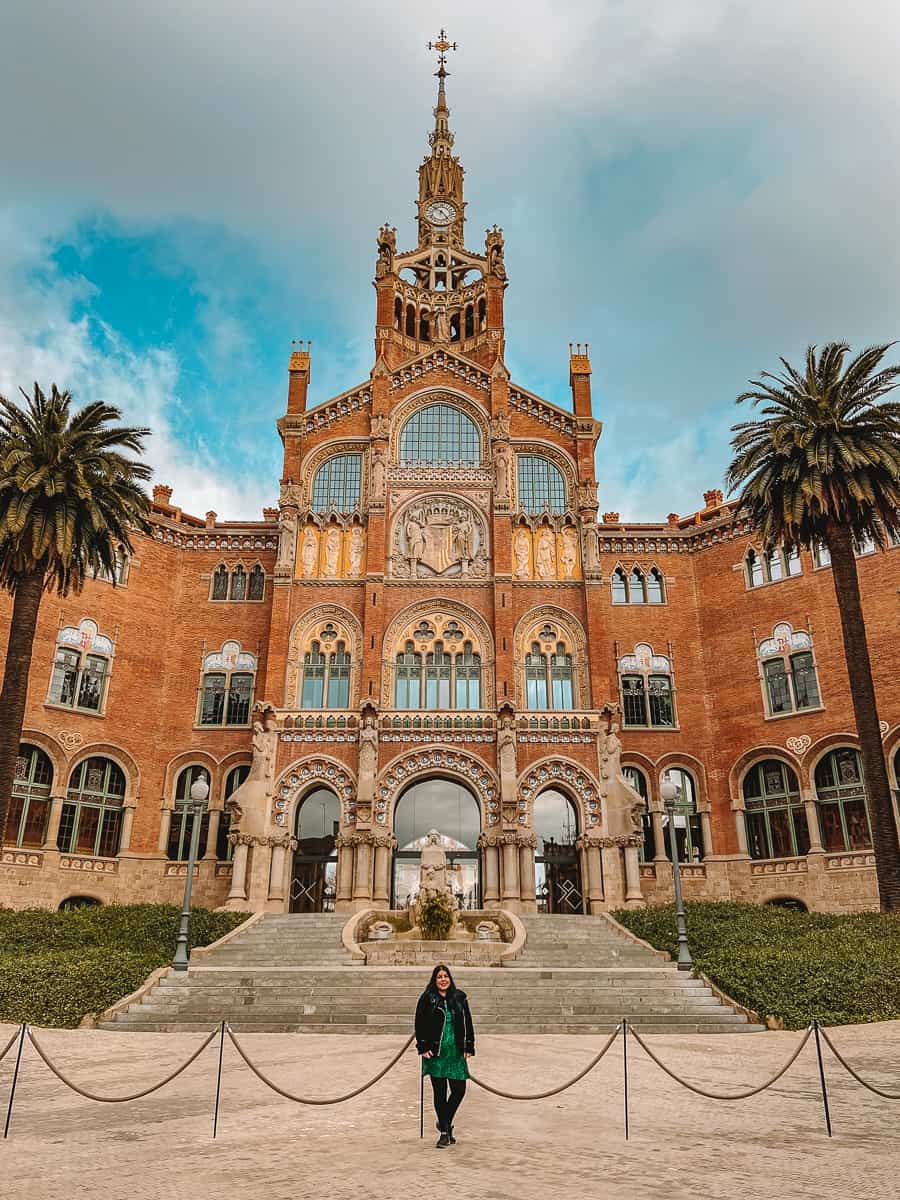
pixel 791 965
pixel 55 967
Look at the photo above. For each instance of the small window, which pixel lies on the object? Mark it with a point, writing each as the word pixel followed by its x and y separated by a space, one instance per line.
pixel 619 587
pixel 655 591
pixel 754 569
pixel 821 554
pixel 257 583
pixel 81 668
pixel 645 680
pixel 238 583
pixel 792 562
pixel 636 594
pixel 226 692
pixel 789 671
pixel 220 583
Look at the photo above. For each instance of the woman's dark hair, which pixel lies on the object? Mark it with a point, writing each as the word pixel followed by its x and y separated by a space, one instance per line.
pixel 432 985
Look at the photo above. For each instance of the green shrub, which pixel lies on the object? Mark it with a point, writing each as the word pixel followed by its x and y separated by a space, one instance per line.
pixel 57 966
pixel 792 965
pixel 434 915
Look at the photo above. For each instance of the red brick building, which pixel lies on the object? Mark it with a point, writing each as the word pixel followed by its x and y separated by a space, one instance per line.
pixel 433 630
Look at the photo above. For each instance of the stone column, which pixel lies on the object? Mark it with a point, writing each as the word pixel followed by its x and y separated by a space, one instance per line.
pixel 812 823
pixel 362 869
pixel 381 893
pixel 490 892
pixel 510 896
pixel 238 892
pixel 593 883
pixel 634 897
pixel 527 898
pixel 740 824
pixel 212 833
pixel 344 870
pixel 706 827
pixel 659 836
pixel 56 803
pixel 276 870
pixel 613 875
pixel 165 822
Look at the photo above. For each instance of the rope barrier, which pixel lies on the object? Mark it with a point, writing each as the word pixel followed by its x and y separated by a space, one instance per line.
pixel 9 1045
pixel 553 1091
pixel 118 1099
pixel 308 1100
pixel 722 1095
pixel 869 1086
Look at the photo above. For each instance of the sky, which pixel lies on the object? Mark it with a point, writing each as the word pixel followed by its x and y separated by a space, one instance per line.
pixel 694 187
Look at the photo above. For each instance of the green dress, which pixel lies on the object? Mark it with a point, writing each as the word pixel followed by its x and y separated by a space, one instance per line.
pixel 450 1062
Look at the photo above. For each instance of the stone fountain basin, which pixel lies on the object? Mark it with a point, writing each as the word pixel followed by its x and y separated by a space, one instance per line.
pixel 407 947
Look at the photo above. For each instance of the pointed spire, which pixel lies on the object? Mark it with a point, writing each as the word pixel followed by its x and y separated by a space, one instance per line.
pixel 441 135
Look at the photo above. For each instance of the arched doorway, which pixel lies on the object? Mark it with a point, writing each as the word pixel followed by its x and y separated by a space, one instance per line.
pixel 557 862
pixel 314 872
pixel 452 810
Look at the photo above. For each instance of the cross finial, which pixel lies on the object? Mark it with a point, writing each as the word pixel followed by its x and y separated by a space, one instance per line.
pixel 442 45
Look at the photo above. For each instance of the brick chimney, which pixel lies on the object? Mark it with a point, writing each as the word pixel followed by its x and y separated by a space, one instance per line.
pixel 713 498
pixel 162 494
pixel 270 515
pixel 611 518
pixel 211 519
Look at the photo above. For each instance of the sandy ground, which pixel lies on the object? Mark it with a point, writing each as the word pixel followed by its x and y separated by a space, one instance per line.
pixel 571 1145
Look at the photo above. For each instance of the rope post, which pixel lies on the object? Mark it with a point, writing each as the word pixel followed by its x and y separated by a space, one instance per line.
pixel 822 1077
pixel 421 1097
pixel 15 1080
pixel 625 1069
pixel 219 1077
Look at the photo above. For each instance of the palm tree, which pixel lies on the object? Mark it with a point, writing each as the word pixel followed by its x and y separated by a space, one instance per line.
pixel 68 501
pixel 823 465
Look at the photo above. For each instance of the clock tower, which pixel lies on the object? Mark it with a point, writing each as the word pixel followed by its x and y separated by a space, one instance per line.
pixel 440 293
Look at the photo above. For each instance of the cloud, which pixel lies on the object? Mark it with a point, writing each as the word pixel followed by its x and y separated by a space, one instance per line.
pixel 695 188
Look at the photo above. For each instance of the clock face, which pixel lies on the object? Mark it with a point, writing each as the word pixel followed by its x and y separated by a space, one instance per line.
pixel 440 212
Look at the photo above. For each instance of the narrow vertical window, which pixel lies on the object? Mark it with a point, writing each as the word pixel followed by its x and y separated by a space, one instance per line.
pixel 313 691
pixel 634 710
pixel 238 583
pixel 655 593
pixel 536 679
pixel 220 583
pixel 561 679
pixel 619 587
pixel 257 583
pixel 339 678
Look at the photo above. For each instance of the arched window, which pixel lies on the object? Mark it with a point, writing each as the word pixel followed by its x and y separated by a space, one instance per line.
pixel 181 821
pixel 439 665
pixel 638 781
pixel 655 590
pixel 226 694
pixel 619 587
pixel 774 811
pixel 789 671
pixel 841 802
pixel 337 483
pixel 410 321
pixel 647 691
pixel 408 678
pixel 636 587
pixel 72 903
pixel 688 826
pixel 91 818
pixel 424 326
pixel 437 678
pixel 326 677
pixel 220 583
pixel 557 873
pixel 470 321
pixel 541 484
pixel 774 565
pixel 233 780
pixel 754 569
pixel 239 583
pixel 482 315
pixel 29 807
pixel 398 313
pixel 81 668
pixel 257 589
pixel 440 436
pixel 449 808
pixel 549 678
pixel 468 678
pixel 313 885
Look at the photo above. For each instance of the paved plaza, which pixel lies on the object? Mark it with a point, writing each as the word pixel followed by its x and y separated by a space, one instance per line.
pixel 773 1145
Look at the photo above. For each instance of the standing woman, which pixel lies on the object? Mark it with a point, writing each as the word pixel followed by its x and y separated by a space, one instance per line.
pixel 445 1038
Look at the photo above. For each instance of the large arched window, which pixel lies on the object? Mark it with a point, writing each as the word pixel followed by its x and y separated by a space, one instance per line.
pixel 326 677
pixel 440 436
pixel 774 811
pixel 841 801
pixel 549 679
pixel 226 694
pixel 181 823
pixel 452 811
pixel 647 693
pixel 29 807
pixel 541 484
pixel 81 668
pixel 557 871
pixel 688 826
pixel 233 780
pixel 91 818
pixel 438 663
pixel 638 780
pixel 337 483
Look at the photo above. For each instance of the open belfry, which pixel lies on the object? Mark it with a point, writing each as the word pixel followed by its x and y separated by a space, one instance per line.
pixel 435 632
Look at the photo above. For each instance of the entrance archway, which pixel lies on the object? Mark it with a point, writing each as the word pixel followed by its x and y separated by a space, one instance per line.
pixel 557 862
pixel 314 871
pixel 452 810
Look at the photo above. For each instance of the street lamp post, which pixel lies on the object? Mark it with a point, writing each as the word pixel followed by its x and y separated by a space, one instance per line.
pixel 668 792
pixel 199 795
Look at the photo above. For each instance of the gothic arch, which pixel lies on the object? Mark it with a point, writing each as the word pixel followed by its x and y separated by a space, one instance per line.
pixel 304 630
pixel 438 606
pixel 818 750
pixel 749 759
pixel 120 757
pixel 572 631
pixel 187 758
pixel 59 758
pixel 564 775
pixel 692 764
pixel 302 776
pixel 441 762
pixel 314 459
pixel 441 395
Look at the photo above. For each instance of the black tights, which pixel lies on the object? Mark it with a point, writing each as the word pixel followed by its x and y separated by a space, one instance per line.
pixel 445 1106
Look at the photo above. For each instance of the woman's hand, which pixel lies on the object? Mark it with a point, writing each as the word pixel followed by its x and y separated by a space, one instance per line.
pixel 428 1054
pixel 466 1054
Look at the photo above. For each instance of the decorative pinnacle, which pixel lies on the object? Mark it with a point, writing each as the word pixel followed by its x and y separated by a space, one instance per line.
pixel 442 45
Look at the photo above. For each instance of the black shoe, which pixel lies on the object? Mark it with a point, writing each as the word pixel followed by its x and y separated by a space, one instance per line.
pixel 443 1141
pixel 450 1136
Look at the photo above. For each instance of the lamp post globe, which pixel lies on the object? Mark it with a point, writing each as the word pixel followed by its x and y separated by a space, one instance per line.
pixel 668 793
pixel 199 794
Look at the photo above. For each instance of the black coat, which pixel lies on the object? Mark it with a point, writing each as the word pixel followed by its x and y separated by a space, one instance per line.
pixel 430 1022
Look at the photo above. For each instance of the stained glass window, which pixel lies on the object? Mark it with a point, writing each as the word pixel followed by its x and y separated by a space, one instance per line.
pixel 29 806
pixel 774 813
pixel 91 819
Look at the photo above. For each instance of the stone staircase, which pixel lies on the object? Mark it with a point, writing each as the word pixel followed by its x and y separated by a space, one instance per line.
pixel 291 974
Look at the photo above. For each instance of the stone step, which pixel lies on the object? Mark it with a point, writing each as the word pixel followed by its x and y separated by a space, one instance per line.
pixel 403 1031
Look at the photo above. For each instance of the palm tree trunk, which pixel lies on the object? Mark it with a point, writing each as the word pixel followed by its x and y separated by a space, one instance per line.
pixel 885 839
pixel 26 604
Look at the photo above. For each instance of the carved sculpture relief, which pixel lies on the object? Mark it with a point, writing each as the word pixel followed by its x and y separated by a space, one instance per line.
pixel 502 471
pixel 333 551
pixel 309 552
pixel 379 477
pixel 548 551
pixel 439 536
pixel 287 540
pixel 355 550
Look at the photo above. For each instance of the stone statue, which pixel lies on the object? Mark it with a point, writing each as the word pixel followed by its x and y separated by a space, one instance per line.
pixel 569 554
pixel 368 760
pixel 591 549
pixel 500 427
pixel 433 865
pixel 355 551
pixel 387 246
pixel 623 804
pixel 332 551
pixel 309 552
pixel 441 325
pixel 501 473
pixel 379 477
pixel 415 542
pixel 465 540
pixel 264 745
pixel 379 425
pixel 287 539
pixel 546 553
pixel 521 550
